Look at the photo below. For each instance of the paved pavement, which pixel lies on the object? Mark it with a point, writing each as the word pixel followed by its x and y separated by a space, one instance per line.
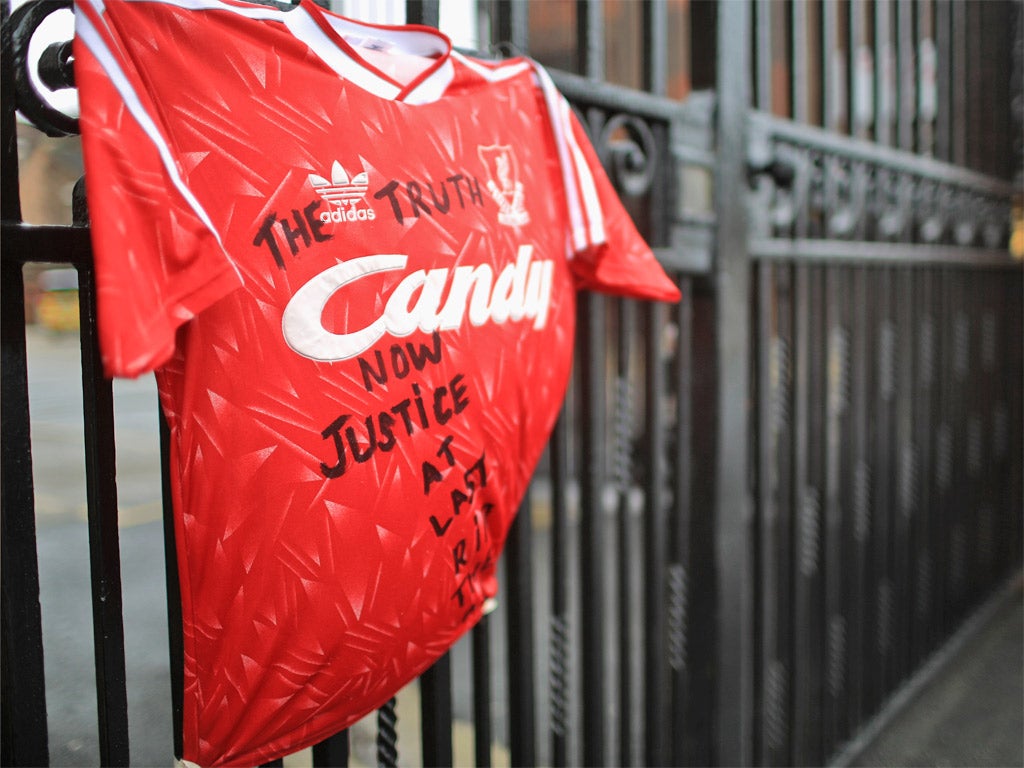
pixel 971 712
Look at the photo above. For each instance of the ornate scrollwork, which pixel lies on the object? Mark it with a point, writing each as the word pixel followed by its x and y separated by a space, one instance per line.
pixel 796 184
pixel 892 203
pixel 847 185
pixel 965 212
pixel 837 189
pixel 994 222
pixel 52 71
pixel 931 204
pixel 627 146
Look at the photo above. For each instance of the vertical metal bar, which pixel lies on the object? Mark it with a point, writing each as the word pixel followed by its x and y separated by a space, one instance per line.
pixel 655 546
pixel 10 200
pixel 592 567
pixel 774 471
pixel 976 90
pixel 332 752
pixel 811 511
pixel 23 732
pixel 590 33
pixel 958 102
pixel 884 369
pixel 22 682
pixel 928 74
pixel 1003 431
pixel 104 552
pixel 559 662
pixel 834 66
pixel 1014 499
pixel 977 401
pixel 656 46
pixel 905 471
pixel 703 601
pixel 482 692
pixel 987 397
pixel 1014 362
pixel 837 462
pixel 680 567
pixel 519 577
pixel 512 24
pixel 436 708
pixel 927 69
pixel 859 493
pixel 806 507
pixel 807 513
pixel 805 36
pixel 943 21
pixel 942 454
pixel 703 19
pixel 1000 132
pixel 781 74
pixel 862 76
pixel 924 519
pixel 906 67
pixel 734 545
pixel 591 314
pixel 425 12
pixel 885 72
pixel 957 518
pixel 804 725
pixel 763 91
pixel 175 636
pixel 628 587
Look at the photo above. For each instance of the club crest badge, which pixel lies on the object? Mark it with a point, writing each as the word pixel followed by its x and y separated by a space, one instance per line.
pixel 503 183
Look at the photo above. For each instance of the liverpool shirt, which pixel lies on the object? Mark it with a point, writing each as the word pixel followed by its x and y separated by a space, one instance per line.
pixel 350 254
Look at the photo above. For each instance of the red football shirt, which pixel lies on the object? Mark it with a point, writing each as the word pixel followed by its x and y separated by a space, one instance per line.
pixel 350 255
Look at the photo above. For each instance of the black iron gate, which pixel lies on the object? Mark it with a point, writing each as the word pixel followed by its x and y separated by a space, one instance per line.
pixel 763 508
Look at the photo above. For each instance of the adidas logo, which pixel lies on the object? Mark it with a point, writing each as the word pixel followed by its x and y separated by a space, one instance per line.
pixel 343 193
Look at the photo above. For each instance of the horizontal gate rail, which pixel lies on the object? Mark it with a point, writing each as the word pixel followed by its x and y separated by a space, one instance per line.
pixel 893 254
pixel 821 196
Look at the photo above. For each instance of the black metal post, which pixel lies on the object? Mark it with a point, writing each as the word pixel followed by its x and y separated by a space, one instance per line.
pixel 734 546
pixel 23 735
pixel 518 571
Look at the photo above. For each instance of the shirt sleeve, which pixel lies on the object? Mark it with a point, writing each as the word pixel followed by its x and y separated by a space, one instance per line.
pixel 159 259
pixel 607 252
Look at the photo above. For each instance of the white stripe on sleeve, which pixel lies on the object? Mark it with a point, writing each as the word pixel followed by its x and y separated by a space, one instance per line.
pixel 88 34
pixel 576 176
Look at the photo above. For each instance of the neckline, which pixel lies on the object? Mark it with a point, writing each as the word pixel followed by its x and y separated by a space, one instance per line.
pixel 412 40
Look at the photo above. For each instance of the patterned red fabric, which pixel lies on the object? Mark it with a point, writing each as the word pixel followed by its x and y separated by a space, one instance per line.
pixel 350 255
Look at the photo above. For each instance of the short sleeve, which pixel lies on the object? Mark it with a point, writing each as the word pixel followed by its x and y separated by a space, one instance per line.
pixel 159 259
pixel 607 252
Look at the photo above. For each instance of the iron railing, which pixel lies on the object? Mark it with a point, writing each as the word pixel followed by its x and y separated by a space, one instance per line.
pixel 761 510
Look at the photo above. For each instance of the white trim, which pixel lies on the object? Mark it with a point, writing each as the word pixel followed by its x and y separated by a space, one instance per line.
pixel 591 201
pixel 414 42
pixel 554 100
pixel 434 87
pixel 492 75
pixel 304 28
pixel 88 34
